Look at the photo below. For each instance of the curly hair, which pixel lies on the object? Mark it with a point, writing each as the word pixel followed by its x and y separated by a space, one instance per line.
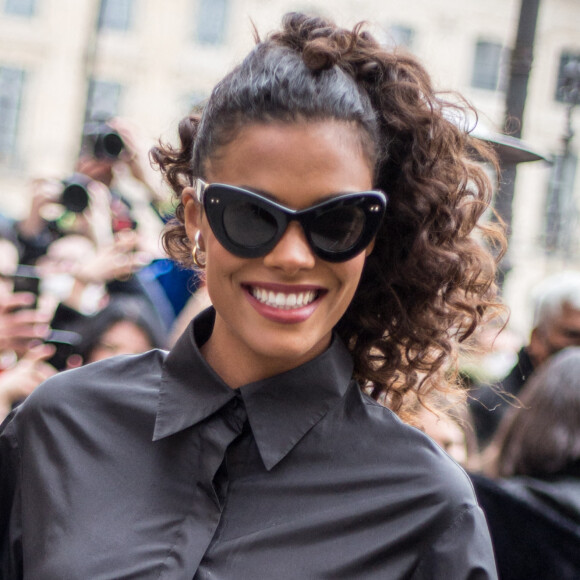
pixel 429 280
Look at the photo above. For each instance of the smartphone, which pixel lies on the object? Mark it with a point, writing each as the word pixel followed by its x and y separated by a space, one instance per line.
pixel 66 343
pixel 26 279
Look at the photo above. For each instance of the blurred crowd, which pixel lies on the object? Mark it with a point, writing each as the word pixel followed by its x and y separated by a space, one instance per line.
pixel 82 277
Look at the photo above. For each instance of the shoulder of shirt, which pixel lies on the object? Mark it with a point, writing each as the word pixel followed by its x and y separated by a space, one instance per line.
pixel 128 381
pixel 413 448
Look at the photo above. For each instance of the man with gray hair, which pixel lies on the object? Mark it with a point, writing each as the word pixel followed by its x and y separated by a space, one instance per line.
pixel 556 325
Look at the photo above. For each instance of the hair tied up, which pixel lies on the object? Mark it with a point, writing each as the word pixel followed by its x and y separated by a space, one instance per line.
pixel 321 54
pixel 314 37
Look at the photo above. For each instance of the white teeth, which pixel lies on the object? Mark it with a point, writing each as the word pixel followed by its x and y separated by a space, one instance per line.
pixel 284 301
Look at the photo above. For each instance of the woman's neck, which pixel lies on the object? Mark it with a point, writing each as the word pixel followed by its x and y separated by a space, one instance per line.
pixel 238 365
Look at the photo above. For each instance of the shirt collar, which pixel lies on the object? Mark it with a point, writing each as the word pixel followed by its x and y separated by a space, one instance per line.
pixel 190 390
pixel 281 409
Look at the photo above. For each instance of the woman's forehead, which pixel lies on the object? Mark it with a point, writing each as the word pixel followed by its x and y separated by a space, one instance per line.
pixel 296 164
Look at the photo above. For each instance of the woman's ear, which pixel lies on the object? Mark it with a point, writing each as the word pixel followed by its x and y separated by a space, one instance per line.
pixel 191 212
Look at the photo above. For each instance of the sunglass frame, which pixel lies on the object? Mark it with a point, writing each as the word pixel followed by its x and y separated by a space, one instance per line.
pixel 214 198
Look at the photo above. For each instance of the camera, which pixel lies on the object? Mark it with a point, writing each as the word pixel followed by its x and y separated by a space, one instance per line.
pixel 102 141
pixel 75 196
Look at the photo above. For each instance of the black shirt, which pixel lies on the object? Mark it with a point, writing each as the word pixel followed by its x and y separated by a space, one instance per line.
pixel 149 466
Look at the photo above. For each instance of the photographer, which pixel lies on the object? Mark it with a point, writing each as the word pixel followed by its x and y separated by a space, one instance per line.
pixel 113 153
pixel 111 189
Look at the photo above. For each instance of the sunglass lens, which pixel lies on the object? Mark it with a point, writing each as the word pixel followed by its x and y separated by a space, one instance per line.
pixel 339 229
pixel 249 225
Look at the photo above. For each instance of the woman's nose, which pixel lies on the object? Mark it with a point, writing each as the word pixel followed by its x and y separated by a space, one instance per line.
pixel 292 252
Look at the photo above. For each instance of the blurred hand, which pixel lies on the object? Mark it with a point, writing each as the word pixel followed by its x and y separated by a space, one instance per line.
pixel 20 325
pixel 99 218
pixel 99 169
pixel 117 261
pixel 17 382
pixel 43 192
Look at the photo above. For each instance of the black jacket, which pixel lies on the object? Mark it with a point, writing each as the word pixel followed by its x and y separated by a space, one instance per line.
pixel 534 525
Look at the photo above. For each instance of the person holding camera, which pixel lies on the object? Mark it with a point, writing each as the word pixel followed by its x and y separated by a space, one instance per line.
pixel 92 200
pixel 330 204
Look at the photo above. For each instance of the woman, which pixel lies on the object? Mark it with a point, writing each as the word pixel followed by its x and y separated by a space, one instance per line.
pixel 127 325
pixel 533 507
pixel 250 450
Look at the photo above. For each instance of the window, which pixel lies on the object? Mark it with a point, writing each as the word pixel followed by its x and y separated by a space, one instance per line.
pixel 489 67
pixel 211 21
pixel 566 81
pixel 103 100
pixel 400 36
pixel 115 14
pixel 11 84
pixel 20 7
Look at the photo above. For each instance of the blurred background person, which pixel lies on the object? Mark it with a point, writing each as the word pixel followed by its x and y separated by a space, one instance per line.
pixel 447 420
pixel 93 200
pixel 113 152
pixel 124 326
pixel 21 323
pixel 22 329
pixel 533 505
pixel 556 325
pixel 18 380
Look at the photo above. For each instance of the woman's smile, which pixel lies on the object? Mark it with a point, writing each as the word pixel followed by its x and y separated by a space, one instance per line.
pixel 284 297
pixel 284 300
pixel 285 304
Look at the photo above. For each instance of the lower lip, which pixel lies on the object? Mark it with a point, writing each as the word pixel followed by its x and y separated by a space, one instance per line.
pixel 290 316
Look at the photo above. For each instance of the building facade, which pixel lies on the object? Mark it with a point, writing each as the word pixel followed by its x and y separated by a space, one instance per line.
pixel 65 61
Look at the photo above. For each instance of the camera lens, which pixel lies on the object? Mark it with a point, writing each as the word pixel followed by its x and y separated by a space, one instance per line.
pixel 108 144
pixel 75 196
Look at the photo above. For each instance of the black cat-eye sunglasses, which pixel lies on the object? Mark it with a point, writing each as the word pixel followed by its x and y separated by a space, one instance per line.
pixel 250 225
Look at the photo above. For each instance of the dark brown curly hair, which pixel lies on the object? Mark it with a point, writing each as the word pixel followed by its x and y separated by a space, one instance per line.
pixel 429 280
